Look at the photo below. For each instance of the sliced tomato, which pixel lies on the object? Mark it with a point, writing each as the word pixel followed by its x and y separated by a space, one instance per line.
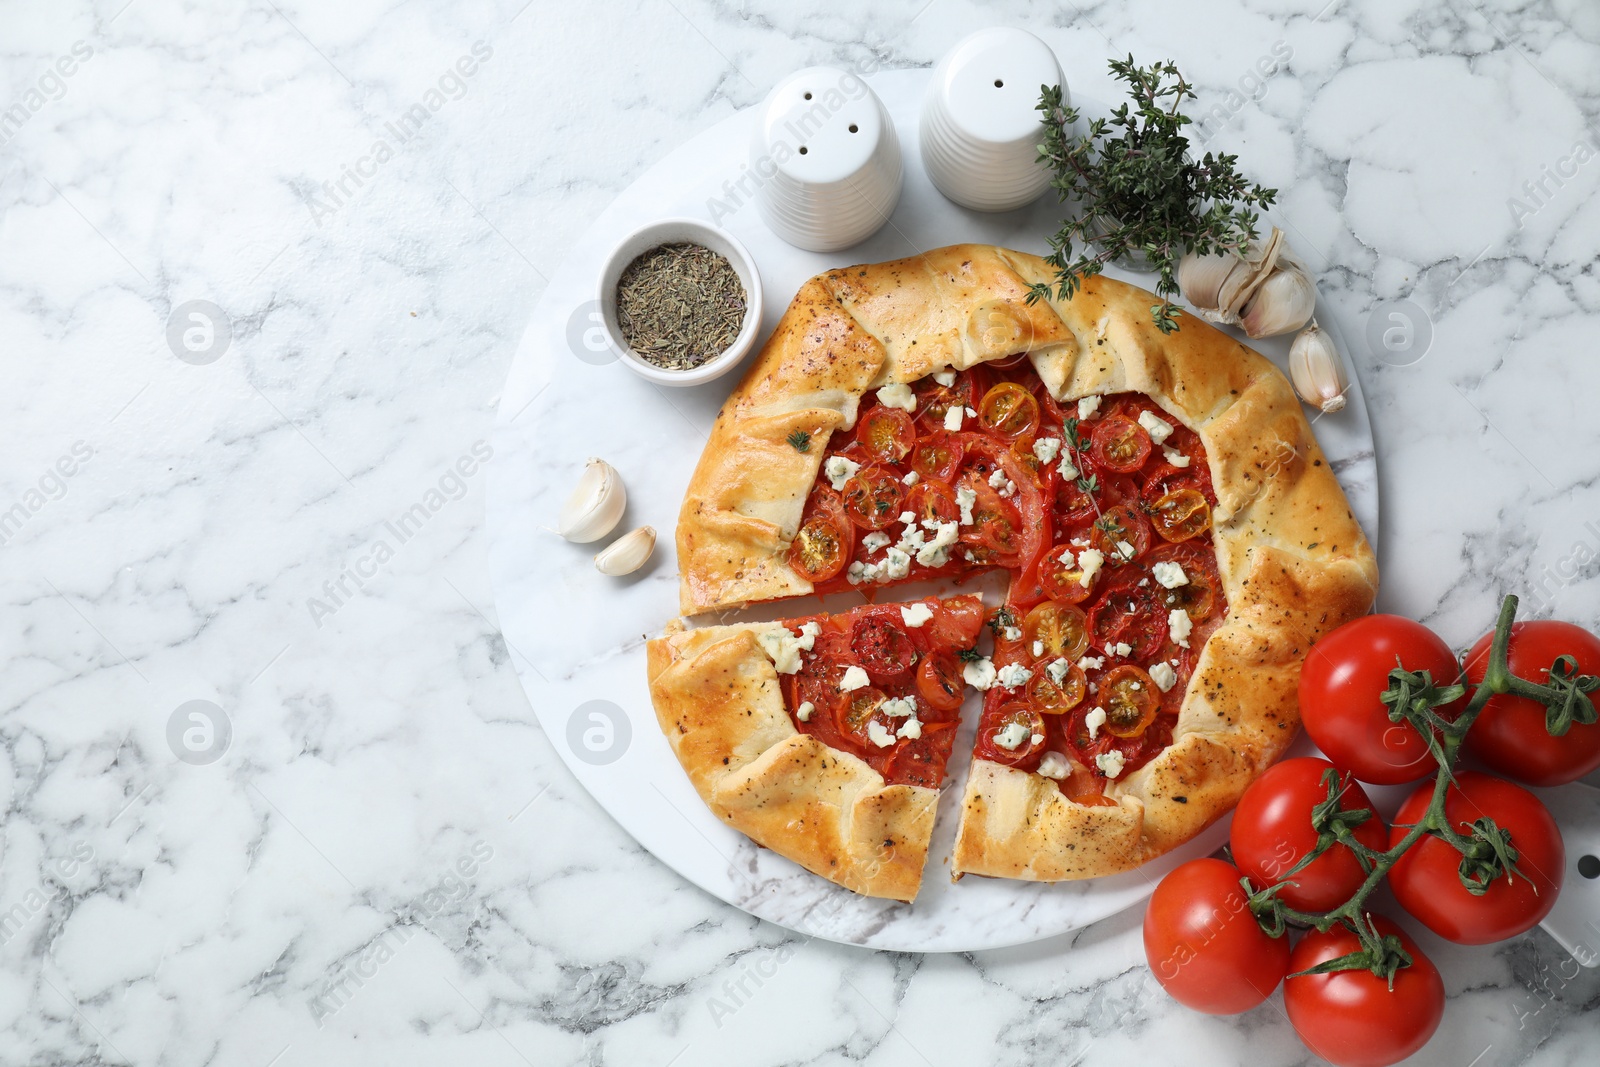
pixel 1201 593
pixel 1119 444
pixel 1009 410
pixel 921 761
pixel 956 622
pixel 1129 613
pixel 1118 526
pixel 886 434
pixel 1073 505
pixel 1180 515
pixel 826 538
pixel 1057 698
pixel 1063 581
pixel 1015 721
pixel 931 500
pixel 883 648
pixel 1131 700
pixel 1060 631
pixel 937 456
pixel 993 535
pixel 874 497
pixel 855 711
pixel 939 680
pixel 935 400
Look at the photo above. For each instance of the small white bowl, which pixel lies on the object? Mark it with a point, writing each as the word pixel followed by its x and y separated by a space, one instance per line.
pixel 676 231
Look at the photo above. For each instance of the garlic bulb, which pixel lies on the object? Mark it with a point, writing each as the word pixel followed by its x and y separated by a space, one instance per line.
pixel 627 553
pixel 1266 291
pixel 1317 371
pixel 595 506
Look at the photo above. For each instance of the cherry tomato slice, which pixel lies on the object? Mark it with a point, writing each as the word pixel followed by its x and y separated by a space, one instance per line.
pixel 818 551
pixel 1009 410
pixel 1181 515
pixel 886 434
pixel 1129 614
pixel 884 649
pixel 1057 698
pixel 1072 505
pixel 1119 444
pixel 874 497
pixel 935 501
pixel 1061 630
pixel 921 761
pixel 993 535
pixel 1119 526
pixel 1017 724
pixel 956 622
pixel 855 712
pixel 939 680
pixel 1201 592
pixel 1131 700
pixel 935 400
pixel 937 456
pixel 1063 581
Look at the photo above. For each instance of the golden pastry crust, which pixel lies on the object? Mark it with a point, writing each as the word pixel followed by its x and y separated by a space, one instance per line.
pixel 718 701
pixel 1293 561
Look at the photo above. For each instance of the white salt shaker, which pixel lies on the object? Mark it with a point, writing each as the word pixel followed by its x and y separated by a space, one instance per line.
pixel 981 126
pixel 828 160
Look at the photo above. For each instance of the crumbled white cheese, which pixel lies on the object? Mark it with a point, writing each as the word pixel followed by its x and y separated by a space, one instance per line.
pixel 898 707
pixel 1000 483
pixel 1180 626
pixel 1174 457
pixel 839 470
pixel 916 614
pixel 1110 763
pixel 908 517
pixel 911 478
pixel 952 419
pixel 1065 467
pixel 1143 582
pixel 784 648
pixel 1055 765
pixel 1066 558
pixel 1091 663
pixel 875 540
pixel 979 673
pixel 879 734
pixel 1038 648
pixel 946 378
pixel 972 413
pixel 1087 407
pixel 1012 633
pixel 854 678
pixel 1011 736
pixel 857 573
pixel 965 498
pixel 1090 560
pixel 1158 428
pixel 1122 648
pixel 1058 670
pixel 1047 448
pixel 911 541
pixel 1012 675
pixel 911 728
pixel 898 396
pixel 1164 676
pixel 1170 575
pixel 803 712
pixel 897 564
pixel 936 553
pixel 1125 551
pixel 1093 721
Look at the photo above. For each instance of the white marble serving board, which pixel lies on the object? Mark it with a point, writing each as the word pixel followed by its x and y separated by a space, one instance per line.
pixel 577 637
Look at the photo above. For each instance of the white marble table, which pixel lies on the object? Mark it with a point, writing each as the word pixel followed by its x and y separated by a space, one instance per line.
pixel 368 852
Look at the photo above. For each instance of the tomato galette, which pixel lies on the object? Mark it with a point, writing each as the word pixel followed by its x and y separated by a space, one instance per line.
pixel 1174 542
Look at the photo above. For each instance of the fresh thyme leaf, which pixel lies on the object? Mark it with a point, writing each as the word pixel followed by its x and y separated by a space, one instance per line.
pixel 1002 620
pixel 969 655
pixel 800 440
pixel 1138 190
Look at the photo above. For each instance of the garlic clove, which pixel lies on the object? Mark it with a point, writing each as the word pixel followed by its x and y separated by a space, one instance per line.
pixel 627 553
pixel 1201 278
pixel 1317 371
pixel 1285 301
pixel 1218 285
pixel 595 506
pixel 1263 258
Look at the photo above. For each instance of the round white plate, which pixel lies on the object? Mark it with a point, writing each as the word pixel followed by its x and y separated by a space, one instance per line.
pixel 577 637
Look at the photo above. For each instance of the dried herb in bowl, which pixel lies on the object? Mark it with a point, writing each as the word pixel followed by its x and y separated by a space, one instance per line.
pixel 679 305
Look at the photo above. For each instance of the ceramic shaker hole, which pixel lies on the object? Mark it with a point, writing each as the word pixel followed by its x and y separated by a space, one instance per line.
pixel 802 150
pixel 1589 866
pixel 854 128
pixel 999 83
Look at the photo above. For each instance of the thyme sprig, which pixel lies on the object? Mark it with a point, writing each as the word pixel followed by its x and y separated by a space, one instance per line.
pixel 1138 190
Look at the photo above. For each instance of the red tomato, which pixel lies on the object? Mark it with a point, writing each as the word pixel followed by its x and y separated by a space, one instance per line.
pixel 938 456
pixel 1017 722
pixel 1343 677
pixel 1426 881
pixel 1203 944
pixel 939 680
pixel 1509 736
pixel 921 762
pixel 886 434
pixel 884 649
pixel 1272 832
pixel 1353 1018
pixel 1119 444
pixel 823 544
pixel 931 500
pixel 956 622
pixel 874 497
pixel 1128 613
pixel 1121 525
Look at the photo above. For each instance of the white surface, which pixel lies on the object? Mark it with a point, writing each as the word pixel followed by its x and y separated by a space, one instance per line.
pixel 590 649
pixel 187 159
